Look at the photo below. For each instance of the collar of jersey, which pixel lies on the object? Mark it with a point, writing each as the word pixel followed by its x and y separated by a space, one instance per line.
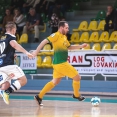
pixel 10 34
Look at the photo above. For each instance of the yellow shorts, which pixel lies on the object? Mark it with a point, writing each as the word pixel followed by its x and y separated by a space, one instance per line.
pixel 64 69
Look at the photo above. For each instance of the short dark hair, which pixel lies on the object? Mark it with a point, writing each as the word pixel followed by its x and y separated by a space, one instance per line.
pixel 62 23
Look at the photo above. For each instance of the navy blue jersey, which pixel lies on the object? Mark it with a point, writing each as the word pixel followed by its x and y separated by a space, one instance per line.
pixel 6 50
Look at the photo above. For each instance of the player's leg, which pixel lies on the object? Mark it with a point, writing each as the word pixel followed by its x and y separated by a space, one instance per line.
pixel 5 85
pixel 49 86
pixel 20 80
pixel 71 72
pixel 76 88
pixel 17 84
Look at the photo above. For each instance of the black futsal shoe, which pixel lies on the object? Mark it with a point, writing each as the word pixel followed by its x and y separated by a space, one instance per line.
pixel 80 98
pixel 39 100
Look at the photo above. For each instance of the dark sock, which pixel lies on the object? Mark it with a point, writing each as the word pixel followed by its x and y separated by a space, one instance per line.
pixel 11 89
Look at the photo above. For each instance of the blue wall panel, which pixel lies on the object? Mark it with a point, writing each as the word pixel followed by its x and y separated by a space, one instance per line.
pixel 66 85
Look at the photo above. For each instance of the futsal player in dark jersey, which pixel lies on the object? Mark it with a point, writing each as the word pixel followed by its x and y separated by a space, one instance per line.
pixel 8 70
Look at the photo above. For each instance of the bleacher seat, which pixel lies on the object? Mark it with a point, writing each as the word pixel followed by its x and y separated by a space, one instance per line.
pixel 47 62
pixel 92 26
pixel 104 37
pixel 17 37
pixel 39 62
pixel 76 5
pixel 74 37
pixel 94 37
pixel 100 16
pixel 84 37
pixel 87 47
pixel 106 46
pixel 101 25
pixel 96 47
pixel 113 36
pixel 47 48
pixel 2 10
pixel 115 46
pixel 82 27
pixel 23 39
pixel 44 30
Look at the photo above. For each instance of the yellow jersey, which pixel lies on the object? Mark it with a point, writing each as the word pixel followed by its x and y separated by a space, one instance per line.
pixel 60 46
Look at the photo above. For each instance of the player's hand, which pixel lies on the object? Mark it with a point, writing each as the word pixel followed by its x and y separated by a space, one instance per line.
pixel 84 45
pixel 29 55
pixel 34 53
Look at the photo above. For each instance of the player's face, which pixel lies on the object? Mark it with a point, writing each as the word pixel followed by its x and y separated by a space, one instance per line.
pixel 65 29
pixel 14 30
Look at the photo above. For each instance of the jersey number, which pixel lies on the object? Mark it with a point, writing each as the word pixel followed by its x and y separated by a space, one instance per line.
pixel 2 47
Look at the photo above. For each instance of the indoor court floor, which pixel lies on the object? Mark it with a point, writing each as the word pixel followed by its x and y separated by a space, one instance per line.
pixel 57 106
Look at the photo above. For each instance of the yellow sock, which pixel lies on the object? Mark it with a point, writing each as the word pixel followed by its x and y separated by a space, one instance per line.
pixel 46 88
pixel 76 88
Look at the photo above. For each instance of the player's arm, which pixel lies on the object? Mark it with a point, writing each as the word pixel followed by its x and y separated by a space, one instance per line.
pixel 44 42
pixel 73 47
pixel 19 48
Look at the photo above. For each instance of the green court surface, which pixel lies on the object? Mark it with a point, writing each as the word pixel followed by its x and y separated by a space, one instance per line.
pixel 61 98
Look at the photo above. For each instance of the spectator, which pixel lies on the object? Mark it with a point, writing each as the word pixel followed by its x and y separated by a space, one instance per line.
pixel 43 6
pixel 55 18
pixel 35 23
pixel 20 20
pixel 16 4
pixel 111 16
pixel 7 18
pixel 28 4
pixel 62 5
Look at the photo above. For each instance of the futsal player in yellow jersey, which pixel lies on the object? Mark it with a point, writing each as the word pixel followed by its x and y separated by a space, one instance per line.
pixel 61 67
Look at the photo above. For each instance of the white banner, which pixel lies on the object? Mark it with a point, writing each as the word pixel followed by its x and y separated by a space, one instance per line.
pixel 29 66
pixel 93 62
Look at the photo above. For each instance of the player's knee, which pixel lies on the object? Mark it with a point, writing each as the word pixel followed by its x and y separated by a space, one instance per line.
pixel 23 80
pixel 77 77
pixel 56 81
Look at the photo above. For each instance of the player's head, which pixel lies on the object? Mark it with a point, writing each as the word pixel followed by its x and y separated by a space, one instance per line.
pixel 63 27
pixel 11 27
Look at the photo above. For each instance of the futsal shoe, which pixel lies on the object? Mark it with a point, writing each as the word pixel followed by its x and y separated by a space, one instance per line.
pixel 80 98
pixel 39 100
pixel 5 97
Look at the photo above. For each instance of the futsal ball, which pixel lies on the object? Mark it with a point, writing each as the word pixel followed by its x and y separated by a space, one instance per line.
pixel 95 101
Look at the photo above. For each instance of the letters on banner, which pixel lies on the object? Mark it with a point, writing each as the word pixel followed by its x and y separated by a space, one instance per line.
pixel 93 62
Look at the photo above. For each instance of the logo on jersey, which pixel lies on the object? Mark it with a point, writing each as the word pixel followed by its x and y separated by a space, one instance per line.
pixel 2 47
pixel 1 61
pixel 52 35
